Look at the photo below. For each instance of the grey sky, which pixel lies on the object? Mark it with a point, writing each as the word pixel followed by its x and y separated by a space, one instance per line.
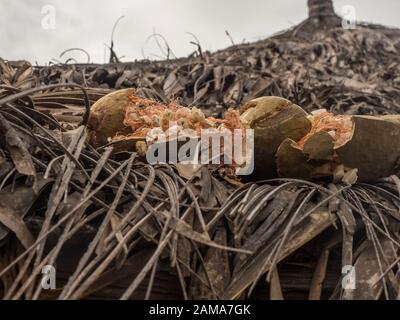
pixel 87 24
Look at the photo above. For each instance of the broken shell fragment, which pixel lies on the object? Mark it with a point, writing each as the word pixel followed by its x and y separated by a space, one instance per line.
pixel 292 162
pixel 347 148
pixel 373 148
pixel 315 152
pixel 273 120
pixel 319 146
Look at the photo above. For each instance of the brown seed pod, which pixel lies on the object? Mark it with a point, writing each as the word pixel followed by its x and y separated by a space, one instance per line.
pixel 314 155
pixel 365 147
pixel 373 148
pixel 107 116
pixel 273 119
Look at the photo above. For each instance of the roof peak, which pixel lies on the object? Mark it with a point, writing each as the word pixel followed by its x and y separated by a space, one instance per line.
pixel 320 8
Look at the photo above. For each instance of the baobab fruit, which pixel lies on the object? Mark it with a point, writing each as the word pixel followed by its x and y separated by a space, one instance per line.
pixel 123 118
pixel 273 120
pixel 373 147
pixel 107 115
pixel 347 148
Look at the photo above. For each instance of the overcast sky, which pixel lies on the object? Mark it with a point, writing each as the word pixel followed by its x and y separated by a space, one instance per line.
pixel 29 30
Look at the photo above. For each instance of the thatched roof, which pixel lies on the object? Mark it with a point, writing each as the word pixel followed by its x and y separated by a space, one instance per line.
pixel 115 227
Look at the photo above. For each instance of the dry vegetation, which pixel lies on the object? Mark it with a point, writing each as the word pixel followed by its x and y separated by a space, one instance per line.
pixel 116 227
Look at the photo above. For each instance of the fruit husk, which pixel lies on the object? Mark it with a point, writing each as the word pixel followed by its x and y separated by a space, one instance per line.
pixel 319 146
pixel 273 119
pixel 310 162
pixel 292 162
pixel 374 147
pixel 107 116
